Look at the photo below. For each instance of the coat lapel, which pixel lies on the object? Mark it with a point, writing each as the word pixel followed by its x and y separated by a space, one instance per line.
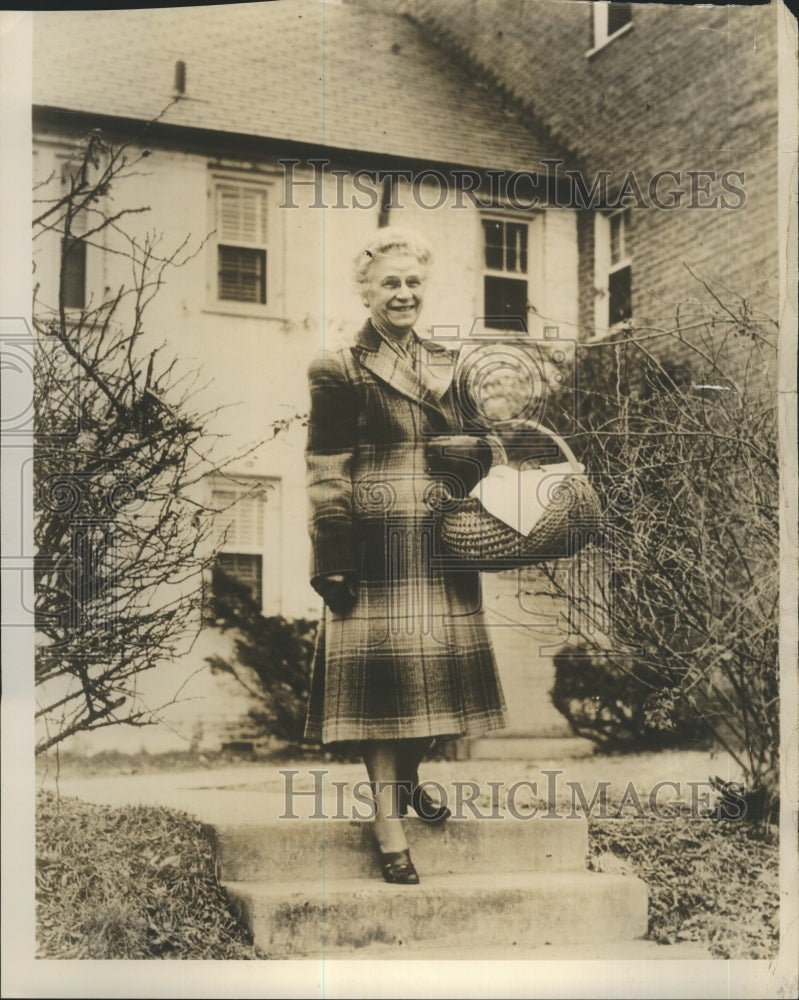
pixel 438 367
pixel 426 385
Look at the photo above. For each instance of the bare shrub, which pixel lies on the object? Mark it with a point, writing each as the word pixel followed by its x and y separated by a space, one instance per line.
pixel 679 428
pixel 122 536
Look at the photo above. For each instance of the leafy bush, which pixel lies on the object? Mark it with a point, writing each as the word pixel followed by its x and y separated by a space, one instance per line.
pixel 618 702
pixel 278 650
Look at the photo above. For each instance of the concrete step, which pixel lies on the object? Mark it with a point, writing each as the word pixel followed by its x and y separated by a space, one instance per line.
pixel 464 911
pixel 304 850
pixel 639 950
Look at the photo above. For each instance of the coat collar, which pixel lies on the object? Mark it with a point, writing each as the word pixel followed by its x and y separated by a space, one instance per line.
pixel 427 384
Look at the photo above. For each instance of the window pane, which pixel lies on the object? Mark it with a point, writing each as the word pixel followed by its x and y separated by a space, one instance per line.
pixel 505 246
pixel 505 303
pixel 73 253
pixel 241 214
pixel 619 14
pixel 621 298
pixel 242 274
pixel 493 243
pixel 249 512
pixel 515 247
pixel 241 518
pixel 229 213
pixel 246 569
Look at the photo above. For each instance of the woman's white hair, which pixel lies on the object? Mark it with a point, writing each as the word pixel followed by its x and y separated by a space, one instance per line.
pixel 391 240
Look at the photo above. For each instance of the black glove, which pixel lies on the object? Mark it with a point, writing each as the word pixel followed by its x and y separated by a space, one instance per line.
pixel 461 458
pixel 337 591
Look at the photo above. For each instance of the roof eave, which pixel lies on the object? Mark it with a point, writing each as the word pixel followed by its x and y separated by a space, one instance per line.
pixel 213 142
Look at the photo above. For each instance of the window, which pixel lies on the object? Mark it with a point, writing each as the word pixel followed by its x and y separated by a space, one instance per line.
pixel 505 267
pixel 610 20
pixel 620 271
pixel 242 260
pixel 249 523
pixel 73 246
pixel 613 270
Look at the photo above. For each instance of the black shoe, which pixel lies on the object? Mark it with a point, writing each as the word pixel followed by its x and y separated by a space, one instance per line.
pixel 426 808
pixel 410 793
pixel 398 868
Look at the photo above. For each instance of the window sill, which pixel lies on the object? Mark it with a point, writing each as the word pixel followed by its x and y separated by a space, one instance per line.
pixel 88 316
pixel 620 264
pixel 606 333
pixel 245 310
pixel 498 332
pixel 611 38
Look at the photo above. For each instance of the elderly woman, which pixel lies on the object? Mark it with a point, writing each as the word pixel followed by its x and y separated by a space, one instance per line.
pixel 403 654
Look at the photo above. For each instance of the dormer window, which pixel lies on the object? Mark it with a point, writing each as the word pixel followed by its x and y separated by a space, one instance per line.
pixel 611 19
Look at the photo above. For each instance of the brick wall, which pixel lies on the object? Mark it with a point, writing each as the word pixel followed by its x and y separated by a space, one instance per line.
pixel 685 89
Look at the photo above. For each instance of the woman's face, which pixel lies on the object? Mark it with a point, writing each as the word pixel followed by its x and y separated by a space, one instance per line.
pixel 394 292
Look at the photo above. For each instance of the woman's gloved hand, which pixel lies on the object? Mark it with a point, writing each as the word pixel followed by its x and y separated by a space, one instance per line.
pixel 462 458
pixel 338 591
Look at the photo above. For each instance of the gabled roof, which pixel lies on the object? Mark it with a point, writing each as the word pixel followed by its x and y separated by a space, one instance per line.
pixel 327 74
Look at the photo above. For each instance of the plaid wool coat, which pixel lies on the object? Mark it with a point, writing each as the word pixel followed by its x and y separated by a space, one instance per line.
pixel 413 657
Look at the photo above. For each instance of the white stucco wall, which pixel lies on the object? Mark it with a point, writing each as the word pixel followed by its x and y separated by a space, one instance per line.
pixel 252 361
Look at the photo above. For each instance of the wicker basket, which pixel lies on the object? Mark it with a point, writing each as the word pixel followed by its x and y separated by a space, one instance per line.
pixel 481 541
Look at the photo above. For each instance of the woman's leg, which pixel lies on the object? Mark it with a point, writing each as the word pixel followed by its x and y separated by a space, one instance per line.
pixel 411 756
pixel 425 806
pixel 382 759
pixel 393 767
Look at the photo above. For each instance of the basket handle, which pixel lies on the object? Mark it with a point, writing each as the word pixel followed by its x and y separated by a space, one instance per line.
pixel 571 457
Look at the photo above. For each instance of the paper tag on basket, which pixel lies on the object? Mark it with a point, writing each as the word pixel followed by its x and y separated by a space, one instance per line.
pixel 519 499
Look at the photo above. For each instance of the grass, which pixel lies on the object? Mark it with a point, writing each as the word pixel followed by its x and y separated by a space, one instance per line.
pixel 712 883
pixel 112 762
pixel 129 883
